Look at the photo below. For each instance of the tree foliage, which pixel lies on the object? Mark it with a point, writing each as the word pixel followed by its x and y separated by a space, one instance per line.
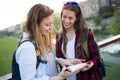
pixel 56 27
pixel 115 23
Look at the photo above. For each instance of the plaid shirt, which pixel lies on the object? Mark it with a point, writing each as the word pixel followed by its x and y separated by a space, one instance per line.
pixel 91 74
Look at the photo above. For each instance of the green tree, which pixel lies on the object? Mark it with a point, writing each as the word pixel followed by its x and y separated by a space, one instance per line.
pixel 56 25
pixel 115 24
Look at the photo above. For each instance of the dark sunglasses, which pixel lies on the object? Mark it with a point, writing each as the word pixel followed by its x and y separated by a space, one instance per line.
pixel 71 3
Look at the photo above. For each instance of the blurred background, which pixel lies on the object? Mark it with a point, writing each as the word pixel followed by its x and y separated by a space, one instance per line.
pixel 102 16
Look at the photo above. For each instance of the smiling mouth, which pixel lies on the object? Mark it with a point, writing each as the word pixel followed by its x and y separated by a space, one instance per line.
pixel 66 25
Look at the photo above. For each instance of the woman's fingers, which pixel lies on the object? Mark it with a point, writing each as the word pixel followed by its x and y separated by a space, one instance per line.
pixel 77 61
pixel 88 66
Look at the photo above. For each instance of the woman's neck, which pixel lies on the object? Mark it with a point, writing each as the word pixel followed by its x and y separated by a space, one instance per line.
pixel 70 34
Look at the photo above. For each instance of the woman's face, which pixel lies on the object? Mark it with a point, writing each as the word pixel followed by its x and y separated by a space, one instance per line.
pixel 46 25
pixel 68 19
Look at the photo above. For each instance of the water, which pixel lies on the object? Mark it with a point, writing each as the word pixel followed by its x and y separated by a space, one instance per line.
pixel 111 49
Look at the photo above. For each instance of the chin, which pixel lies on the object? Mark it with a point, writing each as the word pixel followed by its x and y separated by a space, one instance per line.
pixel 66 26
pixel 46 34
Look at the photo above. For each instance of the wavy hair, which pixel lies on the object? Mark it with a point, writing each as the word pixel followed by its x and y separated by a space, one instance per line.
pixel 34 17
pixel 80 25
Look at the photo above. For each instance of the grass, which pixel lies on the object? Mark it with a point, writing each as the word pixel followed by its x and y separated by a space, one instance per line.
pixel 113 72
pixel 7 47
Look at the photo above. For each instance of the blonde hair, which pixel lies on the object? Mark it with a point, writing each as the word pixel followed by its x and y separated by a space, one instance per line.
pixel 34 17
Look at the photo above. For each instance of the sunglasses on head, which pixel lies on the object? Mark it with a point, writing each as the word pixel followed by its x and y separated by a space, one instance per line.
pixel 71 3
pixel 45 9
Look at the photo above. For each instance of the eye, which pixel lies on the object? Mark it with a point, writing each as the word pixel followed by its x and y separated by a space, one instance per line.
pixel 47 24
pixel 71 18
pixel 63 16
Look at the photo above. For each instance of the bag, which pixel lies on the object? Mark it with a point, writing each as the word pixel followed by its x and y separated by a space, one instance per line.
pixel 101 70
pixel 15 67
pixel 101 65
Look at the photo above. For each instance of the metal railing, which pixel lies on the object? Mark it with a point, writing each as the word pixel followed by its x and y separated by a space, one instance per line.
pixel 101 44
pixel 108 41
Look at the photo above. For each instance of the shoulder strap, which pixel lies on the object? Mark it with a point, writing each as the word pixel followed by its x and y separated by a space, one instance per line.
pixel 85 47
pixel 36 49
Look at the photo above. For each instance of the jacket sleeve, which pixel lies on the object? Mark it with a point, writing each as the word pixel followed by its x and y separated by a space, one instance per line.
pixel 93 49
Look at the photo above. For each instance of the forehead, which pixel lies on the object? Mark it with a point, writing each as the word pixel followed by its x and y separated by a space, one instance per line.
pixel 68 13
pixel 48 19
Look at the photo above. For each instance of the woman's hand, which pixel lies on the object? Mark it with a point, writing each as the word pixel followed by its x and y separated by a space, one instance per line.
pixel 68 62
pixel 64 74
pixel 88 66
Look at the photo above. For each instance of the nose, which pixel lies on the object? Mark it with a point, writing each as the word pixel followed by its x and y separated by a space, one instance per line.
pixel 51 27
pixel 66 20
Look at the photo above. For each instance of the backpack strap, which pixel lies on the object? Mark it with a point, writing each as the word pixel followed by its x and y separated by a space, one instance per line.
pixel 37 52
pixel 85 47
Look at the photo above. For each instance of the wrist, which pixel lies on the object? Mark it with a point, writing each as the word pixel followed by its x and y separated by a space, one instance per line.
pixel 59 77
pixel 59 60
